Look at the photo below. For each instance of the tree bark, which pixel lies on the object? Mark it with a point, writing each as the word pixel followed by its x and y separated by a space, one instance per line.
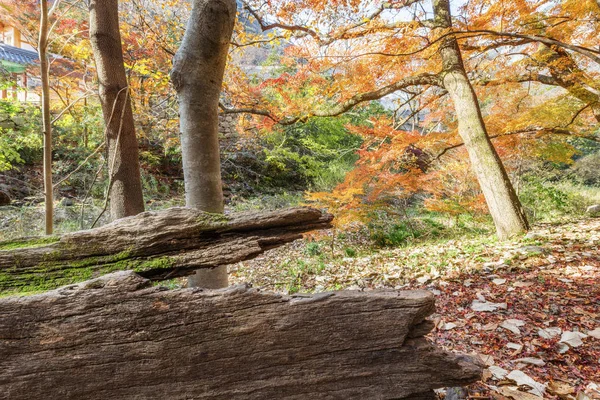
pixel 46 118
pixel 125 186
pixel 118 337
pixel 158 245
pixel 197 75
pixel 503 203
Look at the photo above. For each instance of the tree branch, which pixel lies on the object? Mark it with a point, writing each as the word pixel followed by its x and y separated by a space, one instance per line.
pixel 338 109
pixel 591 53
pixel 530 131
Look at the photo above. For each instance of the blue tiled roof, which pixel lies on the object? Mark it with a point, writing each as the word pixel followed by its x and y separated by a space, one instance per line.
pixel 17 55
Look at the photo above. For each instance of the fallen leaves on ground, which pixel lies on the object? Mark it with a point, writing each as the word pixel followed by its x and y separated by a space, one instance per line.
pixel 530 306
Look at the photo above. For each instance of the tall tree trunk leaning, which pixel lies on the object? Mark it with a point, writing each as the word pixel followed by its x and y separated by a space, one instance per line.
pixel 197 75
pixel 46 121
pixel 125 187
pixel 499 193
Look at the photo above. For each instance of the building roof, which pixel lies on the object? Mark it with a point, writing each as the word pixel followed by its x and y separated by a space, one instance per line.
pixel 16 55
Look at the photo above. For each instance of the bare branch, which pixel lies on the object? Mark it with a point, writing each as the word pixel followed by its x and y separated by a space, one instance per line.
pixel 417 80
pixel 69 106
pixel 57 184
pixel 329 39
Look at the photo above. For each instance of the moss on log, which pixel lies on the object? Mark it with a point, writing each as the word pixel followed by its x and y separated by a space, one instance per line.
pixel 158 245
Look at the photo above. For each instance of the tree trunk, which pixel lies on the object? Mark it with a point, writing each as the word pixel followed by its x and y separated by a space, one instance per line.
pixel 159 245
pixel 503 203
pixel 118 337
pixel 197 75
pixel 125 186
pixel 46 118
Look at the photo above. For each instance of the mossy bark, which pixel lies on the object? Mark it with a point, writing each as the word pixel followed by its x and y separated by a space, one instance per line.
pixel 158 245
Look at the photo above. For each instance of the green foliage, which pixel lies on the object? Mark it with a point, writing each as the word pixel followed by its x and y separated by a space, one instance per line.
pixel 393 235
pixel 20 138
pixel 313 155
pixel 298 271
pixel 322 149
pixel 350 252
pixel 77 134
pixel 6 79
pixel 546 200
pixel 387 228
pixel 313 249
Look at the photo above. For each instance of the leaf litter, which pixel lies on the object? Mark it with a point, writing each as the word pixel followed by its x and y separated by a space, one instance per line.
pixel 531 305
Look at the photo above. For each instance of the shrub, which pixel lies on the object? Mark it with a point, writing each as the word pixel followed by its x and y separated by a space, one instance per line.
pixel 313 249
pixel 545 200
pixel 585 170
pixel 391 235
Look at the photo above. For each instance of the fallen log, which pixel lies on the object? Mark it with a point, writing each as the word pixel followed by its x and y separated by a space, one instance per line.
pixel 158 245
pixel 119 337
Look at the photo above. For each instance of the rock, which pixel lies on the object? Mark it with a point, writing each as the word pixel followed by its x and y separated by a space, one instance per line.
pixel 594 210
pixel 18 121
pixel 7 125
pixel 67 202
pixel 456 393
pixel 534 236
pixel 533 250
pixel 4 199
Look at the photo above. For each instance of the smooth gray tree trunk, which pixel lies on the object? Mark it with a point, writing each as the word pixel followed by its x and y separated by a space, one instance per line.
pixel 503 203
pixel 125 191
pixel 198 69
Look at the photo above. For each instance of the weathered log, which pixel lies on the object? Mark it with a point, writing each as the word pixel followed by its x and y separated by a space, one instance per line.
pixel 158 245
pixel 119 337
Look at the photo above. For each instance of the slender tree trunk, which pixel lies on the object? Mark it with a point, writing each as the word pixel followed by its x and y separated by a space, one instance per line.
pixel 125 188
pixel 46 121
pixel 499 193
pixel 198 69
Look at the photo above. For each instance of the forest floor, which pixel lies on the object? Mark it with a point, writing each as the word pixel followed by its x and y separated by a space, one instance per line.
pixel 530 307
